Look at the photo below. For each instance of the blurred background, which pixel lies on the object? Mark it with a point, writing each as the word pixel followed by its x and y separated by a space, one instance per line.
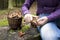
pixel 8 5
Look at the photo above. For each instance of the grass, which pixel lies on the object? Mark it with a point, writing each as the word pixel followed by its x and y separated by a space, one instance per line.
pixel 3 11
pixel 3 22
pixel 26 27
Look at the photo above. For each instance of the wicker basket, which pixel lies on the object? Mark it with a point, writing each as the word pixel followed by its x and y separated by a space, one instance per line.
pixel 14 23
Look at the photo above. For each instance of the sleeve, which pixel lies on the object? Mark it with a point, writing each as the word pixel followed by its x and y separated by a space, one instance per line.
pixel 55 14
pixel 26 6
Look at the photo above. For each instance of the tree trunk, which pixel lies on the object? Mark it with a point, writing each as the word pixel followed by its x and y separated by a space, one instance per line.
pixel 10 5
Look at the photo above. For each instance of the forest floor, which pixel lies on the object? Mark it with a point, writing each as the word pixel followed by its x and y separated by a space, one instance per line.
pixel 7 34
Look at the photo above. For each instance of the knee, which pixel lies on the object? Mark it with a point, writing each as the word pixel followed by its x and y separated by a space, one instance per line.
pixel 47 27
pixel 47 31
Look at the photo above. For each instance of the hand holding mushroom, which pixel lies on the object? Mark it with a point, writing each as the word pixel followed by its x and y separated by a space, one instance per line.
pixel 42 21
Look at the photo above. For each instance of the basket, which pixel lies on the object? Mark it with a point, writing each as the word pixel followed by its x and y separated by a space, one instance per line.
pixel 14 22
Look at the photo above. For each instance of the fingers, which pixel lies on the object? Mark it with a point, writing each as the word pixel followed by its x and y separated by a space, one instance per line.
pixel 40 19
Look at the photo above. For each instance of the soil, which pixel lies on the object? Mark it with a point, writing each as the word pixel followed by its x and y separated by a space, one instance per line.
pixel 6 34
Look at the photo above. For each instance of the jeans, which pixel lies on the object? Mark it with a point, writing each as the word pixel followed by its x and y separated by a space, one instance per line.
pixel 49 31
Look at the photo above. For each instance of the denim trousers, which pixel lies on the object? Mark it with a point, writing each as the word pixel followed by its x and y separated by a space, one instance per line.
pixel 49 31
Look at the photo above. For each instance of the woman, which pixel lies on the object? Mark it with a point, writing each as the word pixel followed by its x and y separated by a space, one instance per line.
pixel 49 13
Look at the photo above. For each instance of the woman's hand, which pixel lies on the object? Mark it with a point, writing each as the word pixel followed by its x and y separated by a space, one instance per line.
pixel 42 21
pixel 28 18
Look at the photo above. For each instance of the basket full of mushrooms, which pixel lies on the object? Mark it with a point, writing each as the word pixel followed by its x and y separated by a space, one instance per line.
pixel 14 19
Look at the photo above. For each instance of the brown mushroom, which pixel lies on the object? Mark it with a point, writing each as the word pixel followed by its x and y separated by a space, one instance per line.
pixel 21 33
pixel 34 21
